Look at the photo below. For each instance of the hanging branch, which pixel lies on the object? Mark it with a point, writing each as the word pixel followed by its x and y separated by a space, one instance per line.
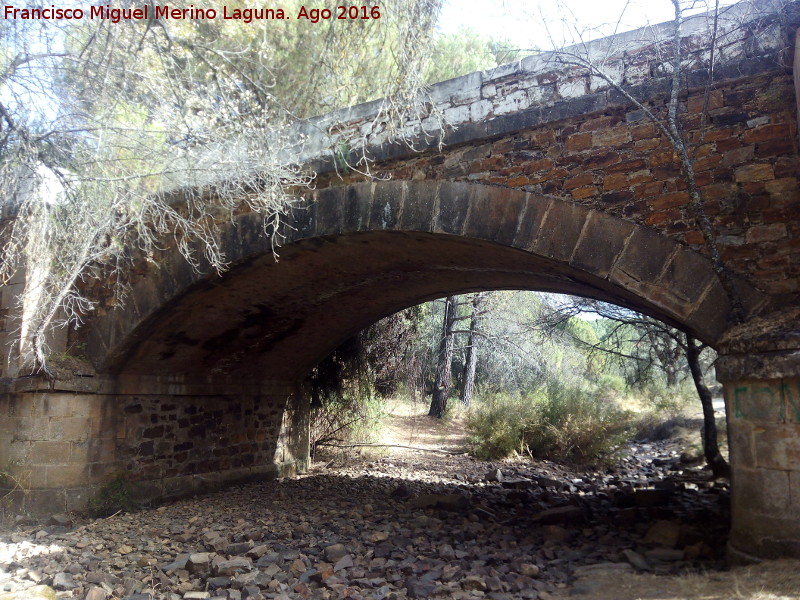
pixel 672 130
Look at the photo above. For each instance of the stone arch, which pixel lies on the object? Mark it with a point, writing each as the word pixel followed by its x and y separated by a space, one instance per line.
pixel 357 253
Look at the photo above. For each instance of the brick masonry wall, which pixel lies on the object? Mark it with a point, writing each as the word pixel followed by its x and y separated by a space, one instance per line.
pixel 64 446
pixel 619 162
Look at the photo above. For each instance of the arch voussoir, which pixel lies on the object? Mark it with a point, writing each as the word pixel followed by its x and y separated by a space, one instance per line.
pixel 460 228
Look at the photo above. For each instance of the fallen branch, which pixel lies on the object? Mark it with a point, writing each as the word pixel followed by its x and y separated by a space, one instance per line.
pixel 393 446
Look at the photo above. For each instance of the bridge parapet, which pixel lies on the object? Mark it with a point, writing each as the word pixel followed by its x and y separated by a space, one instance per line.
pixel 753 37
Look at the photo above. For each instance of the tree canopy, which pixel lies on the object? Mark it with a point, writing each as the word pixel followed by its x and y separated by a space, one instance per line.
pixel 107 119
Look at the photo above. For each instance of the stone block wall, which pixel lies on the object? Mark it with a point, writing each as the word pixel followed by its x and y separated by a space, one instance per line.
pixel 63 446
pixel 764 437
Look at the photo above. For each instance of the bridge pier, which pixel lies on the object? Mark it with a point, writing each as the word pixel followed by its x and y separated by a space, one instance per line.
pixel 761 377
pixel 64 440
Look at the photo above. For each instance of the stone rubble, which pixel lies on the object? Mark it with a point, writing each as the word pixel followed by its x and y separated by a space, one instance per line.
pixel 390 528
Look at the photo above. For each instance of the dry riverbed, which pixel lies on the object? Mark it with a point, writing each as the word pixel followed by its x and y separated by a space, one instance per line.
pixel 412 524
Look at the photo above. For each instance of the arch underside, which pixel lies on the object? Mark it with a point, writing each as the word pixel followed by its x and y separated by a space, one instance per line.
pixel 363 252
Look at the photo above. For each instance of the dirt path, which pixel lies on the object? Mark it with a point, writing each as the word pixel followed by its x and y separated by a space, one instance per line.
pixel 408 424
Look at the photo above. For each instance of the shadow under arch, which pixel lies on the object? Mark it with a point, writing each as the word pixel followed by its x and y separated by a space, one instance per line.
pixel 357 253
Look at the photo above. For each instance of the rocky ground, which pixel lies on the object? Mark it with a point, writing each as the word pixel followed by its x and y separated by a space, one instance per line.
pixel 409 525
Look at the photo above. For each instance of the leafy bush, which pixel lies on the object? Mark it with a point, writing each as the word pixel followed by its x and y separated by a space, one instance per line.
pixel 348 386
pixel 611 383
pixel 563 422
pixel 115 496
pixel 345 418
pixel 672 400
pixel 662 411
pixel 496 425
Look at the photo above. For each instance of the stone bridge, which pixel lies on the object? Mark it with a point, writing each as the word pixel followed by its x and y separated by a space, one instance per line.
pixel 547 179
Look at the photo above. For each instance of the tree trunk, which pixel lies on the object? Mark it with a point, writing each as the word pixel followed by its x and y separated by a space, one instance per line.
pixel 472 351
pixel 719 467
pixel 441 387
pixel 672 376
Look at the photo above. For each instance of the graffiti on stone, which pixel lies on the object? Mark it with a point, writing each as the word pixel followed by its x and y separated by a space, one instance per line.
pixel 759 402
pixel 791 391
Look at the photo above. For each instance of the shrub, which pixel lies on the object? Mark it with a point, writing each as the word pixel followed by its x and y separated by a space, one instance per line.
pixel 563 422
pixel 115 496
pixel 496 425
pixel 662 411
pixel 345 418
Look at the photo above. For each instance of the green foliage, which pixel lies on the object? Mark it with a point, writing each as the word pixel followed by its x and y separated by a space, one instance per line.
pixel 560 422
pixel 663 411
pixel 348 417
pixel 467 51
pixel 115 496
pixel 496 424
pixel 348 386
pixel 342 154
pixel 669 400
pixel 612 383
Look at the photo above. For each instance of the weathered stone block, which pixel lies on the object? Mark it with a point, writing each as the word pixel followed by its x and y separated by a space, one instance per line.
pixel 791 394
pixel 754 172
pixel 615 181
pixel 50 452
pixel 777 446
pixel 385 211
pixel 687 274
pixel 63 476
pixel 765 490
pixel 560 231
pixel 601 123
pixel 92 451
pixel 71 428
pixel 480 110
pixel 600 244
pixel 299 223
pixel 766 233
pixel 612 138
pixel 494 214
pixel 579 181
pixel 357 202
pixel 764 535
pixel 328 211
pixel 54 405
pixel 17 453
pixel 584 192
pixel 673 200
pixel 418 206
pixel 533 212
pixel 645 256
pixel 452 208
pixel 767 132
pixel 579 141
pixel 32 428
pixel 738 156
pixel 740 444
